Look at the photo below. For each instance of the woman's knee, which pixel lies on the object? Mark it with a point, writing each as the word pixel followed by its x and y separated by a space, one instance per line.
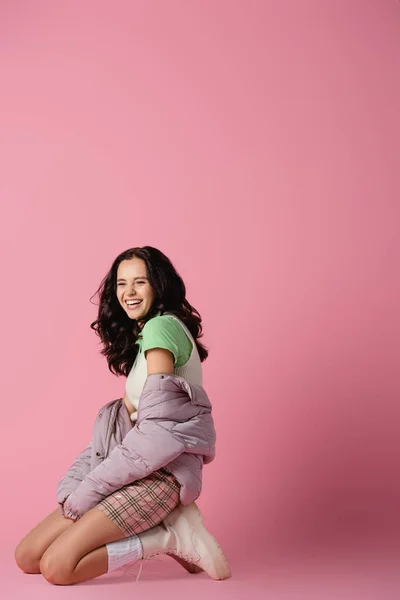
pixel 55 569
pixel 26 558
pixel 32 547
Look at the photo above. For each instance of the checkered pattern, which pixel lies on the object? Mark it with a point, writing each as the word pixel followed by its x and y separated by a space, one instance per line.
pixel 143 503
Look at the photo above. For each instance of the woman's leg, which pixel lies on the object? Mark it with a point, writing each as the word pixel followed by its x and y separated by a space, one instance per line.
pixel 32 547
pixel 79 553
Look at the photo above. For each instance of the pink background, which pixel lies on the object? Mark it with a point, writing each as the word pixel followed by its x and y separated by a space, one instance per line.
pixel 256 143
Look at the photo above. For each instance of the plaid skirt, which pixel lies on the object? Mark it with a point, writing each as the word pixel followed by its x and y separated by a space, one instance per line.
pixel 142 504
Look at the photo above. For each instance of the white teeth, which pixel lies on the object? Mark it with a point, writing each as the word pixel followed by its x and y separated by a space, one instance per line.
pixel 133 302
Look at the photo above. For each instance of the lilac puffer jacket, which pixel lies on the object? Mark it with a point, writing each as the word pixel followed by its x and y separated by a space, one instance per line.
pixel 174 430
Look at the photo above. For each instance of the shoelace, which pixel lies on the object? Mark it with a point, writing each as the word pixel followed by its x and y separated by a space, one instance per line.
pixel 129 569
pixel 178 553
pixel 128 572
pixel 174 551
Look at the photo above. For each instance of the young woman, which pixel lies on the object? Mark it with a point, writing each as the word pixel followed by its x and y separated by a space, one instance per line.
pixel 130 494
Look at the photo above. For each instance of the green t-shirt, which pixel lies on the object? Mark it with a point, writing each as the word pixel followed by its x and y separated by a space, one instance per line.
pixel 163 331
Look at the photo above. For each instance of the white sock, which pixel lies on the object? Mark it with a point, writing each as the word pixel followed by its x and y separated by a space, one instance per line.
pixel 123 552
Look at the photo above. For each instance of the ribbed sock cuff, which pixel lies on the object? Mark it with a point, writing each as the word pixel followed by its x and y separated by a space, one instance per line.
pixel 123 552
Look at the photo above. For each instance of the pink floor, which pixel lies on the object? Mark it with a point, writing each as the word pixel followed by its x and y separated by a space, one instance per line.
pixel 368 574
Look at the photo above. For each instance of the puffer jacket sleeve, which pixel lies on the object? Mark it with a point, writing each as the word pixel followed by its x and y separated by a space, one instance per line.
pixel 125 464
pixel 74 476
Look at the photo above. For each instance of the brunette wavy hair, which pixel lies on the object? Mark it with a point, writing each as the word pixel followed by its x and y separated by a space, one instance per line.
pixel 118 333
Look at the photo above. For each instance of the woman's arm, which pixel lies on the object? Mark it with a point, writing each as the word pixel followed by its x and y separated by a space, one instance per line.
pixel 160 361
pixel 146 448
pixel 150 445
pixel 75 474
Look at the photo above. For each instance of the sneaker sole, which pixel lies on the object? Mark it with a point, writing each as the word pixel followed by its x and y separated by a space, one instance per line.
pixel 219 568
pixel 190 567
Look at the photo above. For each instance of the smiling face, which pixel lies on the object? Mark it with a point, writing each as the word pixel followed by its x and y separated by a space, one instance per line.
pixel 134 291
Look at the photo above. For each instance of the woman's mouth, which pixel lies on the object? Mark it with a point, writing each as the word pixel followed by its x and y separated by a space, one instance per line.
pixel 133 304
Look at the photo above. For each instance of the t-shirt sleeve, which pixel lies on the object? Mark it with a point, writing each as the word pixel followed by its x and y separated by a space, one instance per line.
pixel 165 332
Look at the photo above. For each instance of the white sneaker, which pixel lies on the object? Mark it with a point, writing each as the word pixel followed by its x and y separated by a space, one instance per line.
pixel 183 535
